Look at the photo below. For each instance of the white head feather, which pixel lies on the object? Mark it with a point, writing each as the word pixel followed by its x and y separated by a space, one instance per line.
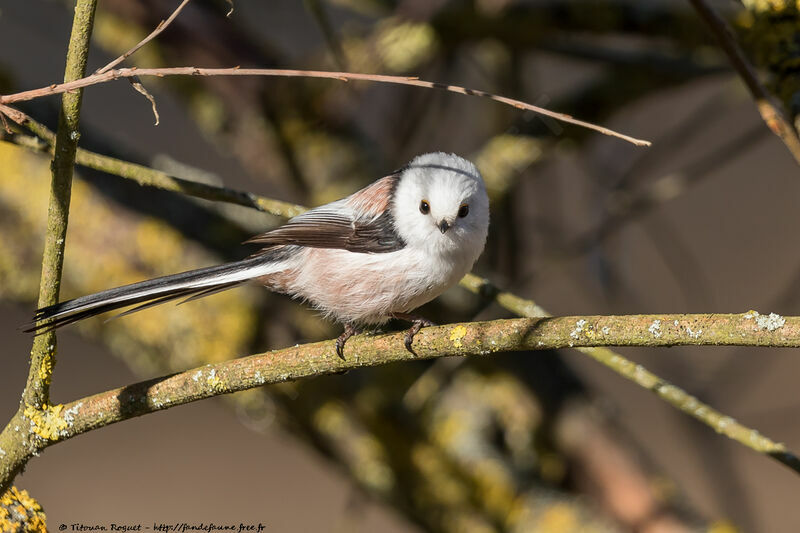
pixel 436 189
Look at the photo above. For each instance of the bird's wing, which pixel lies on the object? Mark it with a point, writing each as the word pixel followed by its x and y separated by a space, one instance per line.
pixel 362 222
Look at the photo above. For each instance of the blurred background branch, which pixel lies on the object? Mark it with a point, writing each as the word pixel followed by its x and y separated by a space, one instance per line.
pixel 772 114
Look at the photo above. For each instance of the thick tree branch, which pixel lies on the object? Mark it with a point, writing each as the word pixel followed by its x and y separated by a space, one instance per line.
pixel 342 76
pixel 61 422
pixel 770 112
pixel 638 374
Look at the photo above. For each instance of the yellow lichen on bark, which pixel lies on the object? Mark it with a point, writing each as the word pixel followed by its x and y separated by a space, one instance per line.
pixel 46 422
pixel 457 334
pixel 20 513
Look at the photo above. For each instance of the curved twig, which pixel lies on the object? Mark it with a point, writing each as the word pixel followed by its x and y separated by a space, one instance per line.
pixel 285 73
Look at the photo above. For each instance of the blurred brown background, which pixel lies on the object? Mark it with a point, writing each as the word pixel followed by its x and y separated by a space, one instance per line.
pixel 703 221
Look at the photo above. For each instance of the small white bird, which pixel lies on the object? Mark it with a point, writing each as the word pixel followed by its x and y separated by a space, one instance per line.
pixel 377 254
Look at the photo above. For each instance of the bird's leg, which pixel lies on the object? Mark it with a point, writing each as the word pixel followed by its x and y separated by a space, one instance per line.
pixel 417 322
pixel 349 331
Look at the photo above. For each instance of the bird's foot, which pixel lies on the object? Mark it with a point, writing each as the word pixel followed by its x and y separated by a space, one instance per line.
pixel 417 322
pixel 349 331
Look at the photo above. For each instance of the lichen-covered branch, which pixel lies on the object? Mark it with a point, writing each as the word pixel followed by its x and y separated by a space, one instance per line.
pixel 57 423
pixel 665 390
pixel 116 74
pixel 15 438
pixel 37 389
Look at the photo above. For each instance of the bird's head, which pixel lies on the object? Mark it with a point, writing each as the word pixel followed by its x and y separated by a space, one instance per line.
pixel 440 203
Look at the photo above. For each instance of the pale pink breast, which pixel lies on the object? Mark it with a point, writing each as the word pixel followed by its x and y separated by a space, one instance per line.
pixel 354 287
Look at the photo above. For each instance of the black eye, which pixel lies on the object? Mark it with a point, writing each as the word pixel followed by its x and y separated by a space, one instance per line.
pixel 424 207
pixel 463 211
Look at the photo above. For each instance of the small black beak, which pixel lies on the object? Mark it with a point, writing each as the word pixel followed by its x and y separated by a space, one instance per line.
pixel 443 226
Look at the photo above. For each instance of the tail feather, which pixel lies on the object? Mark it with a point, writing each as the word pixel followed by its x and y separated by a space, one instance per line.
pixel 153 303
pixel 192 284
pixel 209 292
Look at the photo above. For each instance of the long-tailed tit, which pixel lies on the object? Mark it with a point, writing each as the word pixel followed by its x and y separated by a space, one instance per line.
pixel 377 254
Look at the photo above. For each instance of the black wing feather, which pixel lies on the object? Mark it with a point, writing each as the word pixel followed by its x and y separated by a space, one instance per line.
pixel 330 230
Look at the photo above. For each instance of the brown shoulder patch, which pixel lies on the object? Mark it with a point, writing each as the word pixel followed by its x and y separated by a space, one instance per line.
pixel 374 199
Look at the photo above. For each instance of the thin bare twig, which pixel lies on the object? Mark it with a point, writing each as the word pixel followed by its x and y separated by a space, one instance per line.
pixel 285 73
pixel 135 81
pixel 139 88
pixel 160 28
pixel 771 113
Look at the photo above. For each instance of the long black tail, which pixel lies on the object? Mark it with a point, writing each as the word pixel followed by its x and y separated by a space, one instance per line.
pixel 191 285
